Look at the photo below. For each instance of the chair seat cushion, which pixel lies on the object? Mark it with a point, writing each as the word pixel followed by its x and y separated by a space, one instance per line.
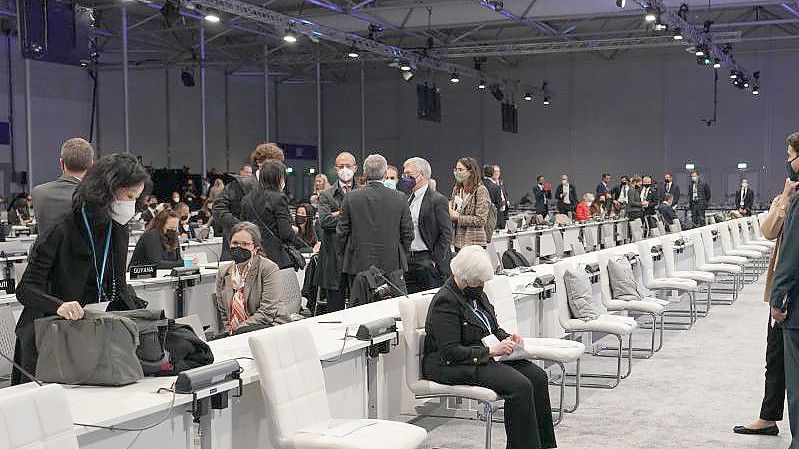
pixel 609 324
pixel 728 259
pixel 429 388
pixel 749 254
pixel 765 242
pixel 698 276
pixel 721 268
pixel 760 249
pixel 673 283
pixel 635 306
pixel 554 349
pixel 358 434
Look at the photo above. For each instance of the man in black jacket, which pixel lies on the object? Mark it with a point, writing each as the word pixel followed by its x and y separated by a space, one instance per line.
pixel 504 211
pixel 494 192
pixel 666 210
pixel 670 187
pixel 604 186
pixel 227 207
pixel 428 264
pixel 566 195
pixel 542 196
pixel 698 198
pixel 375 224
pixel 649 196
pixel 744 198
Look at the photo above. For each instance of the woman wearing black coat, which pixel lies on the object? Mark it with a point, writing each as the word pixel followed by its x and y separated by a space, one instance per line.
pixel 268 208
pixel 159 245
pixel 459 317
pixel 83 259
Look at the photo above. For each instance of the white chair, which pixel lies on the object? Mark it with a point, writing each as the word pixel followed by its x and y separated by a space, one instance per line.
pixel 293 388
pixel 699 246
pixel 757 234
pixel 751 256
pixel 37 418
pixel 8 340
pixel 647 306
pixel 556 350
pixel 195 323
pixel 750 237
pixel 496 260
pixel 526 245
pixel 636 230
pixel 414 316
pixel 675 226
pixel 737 242
pixel 291 293
pixel 682 286
pixel 703 278
pixel 606 324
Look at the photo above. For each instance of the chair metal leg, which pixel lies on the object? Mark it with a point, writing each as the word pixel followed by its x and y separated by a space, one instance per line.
pixel 576 384
pixel 489 416
pixel 649 352
pixel 617 377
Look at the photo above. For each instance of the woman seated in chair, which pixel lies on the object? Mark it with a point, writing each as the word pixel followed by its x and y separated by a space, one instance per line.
pixel 248 290
pixel 159 245
pixel 459 317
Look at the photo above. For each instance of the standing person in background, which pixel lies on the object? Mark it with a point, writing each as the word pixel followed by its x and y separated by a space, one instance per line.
pixel 635 210
pixel 246 171
pixel 190 194
pixel 542 196
pixel 698 198
pixel 29 206
pixel 175 200
pixel 745 198
pixel 604 185
pixel 54 199
pixel 670 187
pixel 19 215
pixel 504 210
pixel 216 189
pixel 494 191
pixel 331 278
pixel 649 196
pixel 469 205
pixel 320 183
pixel 204 216
pixel 392 176
pixel 227 207
pixel 566 195
pixel 150 210
pixel 428 264
pixel 64 273
pixel 307 229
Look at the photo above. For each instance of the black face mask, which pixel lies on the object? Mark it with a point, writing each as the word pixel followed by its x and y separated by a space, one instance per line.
pixel 473 293
pixel 240 255
pixel 624 183
pixel 152 205
pixel 647 185
pixel 171 234
pixel 792 174
pixel 300 220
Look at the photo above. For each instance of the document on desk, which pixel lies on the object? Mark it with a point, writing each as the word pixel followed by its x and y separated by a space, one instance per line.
pixel 97 306
pixel 518 352
pixel 336 428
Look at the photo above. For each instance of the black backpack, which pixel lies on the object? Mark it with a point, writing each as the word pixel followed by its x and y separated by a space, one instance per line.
pixel 512 258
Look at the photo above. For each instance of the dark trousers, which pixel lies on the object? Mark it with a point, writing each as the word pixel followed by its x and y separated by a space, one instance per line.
pixel 564 208
pixel 337 299
pixel 421 274
pixel 698 215
pixel 774 396
pixel 791 342
pixel 528 414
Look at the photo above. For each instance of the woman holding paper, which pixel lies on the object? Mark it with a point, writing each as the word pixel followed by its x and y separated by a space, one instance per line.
pixel 463 340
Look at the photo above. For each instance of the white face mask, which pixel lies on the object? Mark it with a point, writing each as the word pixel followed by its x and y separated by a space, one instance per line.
pixel 123 211
pixel 346 174
pixel 694 178
pixel 744 185
pixel 390 183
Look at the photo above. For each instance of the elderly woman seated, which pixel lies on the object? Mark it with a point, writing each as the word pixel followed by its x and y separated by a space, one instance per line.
pixel 460 317
pixel 248 290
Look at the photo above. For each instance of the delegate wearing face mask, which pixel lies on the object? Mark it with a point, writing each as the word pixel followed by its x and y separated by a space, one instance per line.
pixel 160 243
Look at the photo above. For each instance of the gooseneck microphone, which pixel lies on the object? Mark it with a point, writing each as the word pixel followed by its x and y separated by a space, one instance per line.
pixel 379 273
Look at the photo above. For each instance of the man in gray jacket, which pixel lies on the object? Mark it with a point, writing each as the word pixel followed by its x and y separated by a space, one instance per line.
pixel 53 199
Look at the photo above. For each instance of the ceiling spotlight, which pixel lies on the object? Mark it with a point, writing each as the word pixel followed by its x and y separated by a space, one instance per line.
pixel 650 15
pixel 756 90
pixel 733 74
pixel 290 37
pixel 353 53
pixel 746 84
pixel 405 66
pixel 528 96
pixel 621 3
pixel 717 63
pixel 678 34
pixel 660 26
pixel 407 76
pixel 546 101
pixel 212 16
pixel 700 51
pixel 455 78
pixel 482 84
pixel 498 5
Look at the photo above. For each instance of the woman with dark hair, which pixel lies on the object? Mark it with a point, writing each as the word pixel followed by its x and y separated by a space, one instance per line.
pixel 19 215
pixel 82 259
pixel 268 208
pixel 307 231
pixel 159 245
pixel 469 205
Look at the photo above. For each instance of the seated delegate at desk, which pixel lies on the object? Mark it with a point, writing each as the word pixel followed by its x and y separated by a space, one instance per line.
pixel 82 259
pixel 159 244
pixel 185 230
pixel 248 290
pixel 19 214
pixel 583 210
pixel 460 316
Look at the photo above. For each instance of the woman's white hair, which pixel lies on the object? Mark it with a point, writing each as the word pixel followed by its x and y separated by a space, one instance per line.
pixel 472 265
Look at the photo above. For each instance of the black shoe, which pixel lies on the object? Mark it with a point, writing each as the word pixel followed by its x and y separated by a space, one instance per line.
pixel 743 430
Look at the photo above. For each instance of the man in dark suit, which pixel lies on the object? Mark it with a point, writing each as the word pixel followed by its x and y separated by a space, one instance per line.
pixel 493 191
pixel 649 196
pixel 670 188
pixel 52 200
pixel 744 198
pixel 428 263
pixel 504 211
pixel 602 187
pixel 566 195
pixel 698 198
pixel 375 225
pixel 542 196
pixel 666 210
pixel 331 279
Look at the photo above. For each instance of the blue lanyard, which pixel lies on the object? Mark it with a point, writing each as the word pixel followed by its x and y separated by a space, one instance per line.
pixel 99 277
pixel 483 318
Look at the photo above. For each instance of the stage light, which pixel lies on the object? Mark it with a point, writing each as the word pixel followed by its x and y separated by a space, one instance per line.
pixel 717 63
pixel 407 76
pixel 455 78
pixel 690 166
pixel 756 90
pixel 621 3
pixel 211 16
pixel 528 97
pixel 650 15
pixel 746 84
pixel 678 34
pixel 353 53
pixel 546 101
pixel 742 165
pixel 733 74
pixel 290 37
pixel 660 26
pixel 481 84
pixel 700 51
pixel 405 66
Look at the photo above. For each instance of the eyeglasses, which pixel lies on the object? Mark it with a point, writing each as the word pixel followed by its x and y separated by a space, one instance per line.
pixel 460 169
pixel 236 244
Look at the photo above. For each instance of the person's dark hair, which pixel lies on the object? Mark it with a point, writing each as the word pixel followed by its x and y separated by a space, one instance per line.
pixel 272 173
pixel 539 178
pixel 696 172
pixel 110 173
pixel 605 175
pixel 265 151
pixel 474 179
pixel 488 170
pixel 793 141
pixel 309 233
pixel 668 197
pixel 19 204
pixel 158 223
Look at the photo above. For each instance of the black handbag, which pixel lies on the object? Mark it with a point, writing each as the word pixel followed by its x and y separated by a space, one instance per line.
pixel 295 256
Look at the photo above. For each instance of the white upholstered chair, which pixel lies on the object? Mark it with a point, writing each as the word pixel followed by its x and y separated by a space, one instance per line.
pixel 294 393
pixel 556 350
pixel 734 271
pixel 413 311
pixel 36 418
pixel 703 278
pixel 682 286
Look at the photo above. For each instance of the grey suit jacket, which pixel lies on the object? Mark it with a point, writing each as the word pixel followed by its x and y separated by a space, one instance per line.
pixel 51 201
pixel 377 227
pixel 263 288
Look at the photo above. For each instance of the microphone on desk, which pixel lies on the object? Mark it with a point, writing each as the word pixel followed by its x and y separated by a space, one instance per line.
pixel 379 273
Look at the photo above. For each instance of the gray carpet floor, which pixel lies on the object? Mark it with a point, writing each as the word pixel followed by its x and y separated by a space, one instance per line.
pixel 690 395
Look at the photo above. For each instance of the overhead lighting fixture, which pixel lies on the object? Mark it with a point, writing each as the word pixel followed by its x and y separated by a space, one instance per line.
pixel 650 15
pixel 482 84
pixel 733 74
pixel 290 37
pixel 678 34
pixel 756 90
pixel 528 96
pixel 212 16
pixel 700 51
pixel 405 67
pixel 353 53
pixel 455 78
pixel 716 63
pixel 546 101
pixel 621 3
pixel 187 78
pixel 660 26
pixel 746 84
pixel 743 165
pixel 407 76
pixel 690 166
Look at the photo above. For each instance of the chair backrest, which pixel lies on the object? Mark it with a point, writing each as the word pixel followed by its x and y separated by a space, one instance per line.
pixel 661 226
pixel 413 312
pixel 7 338
pixel 675 226
pixel 645 259
pixel 195 323
pixel 707 241
pixel 291 292
pixel 526 246
pixel 603 257
pixel 735 232
pixel 37 418
pixel 590 234
pixel 491 249
pixel 500 294
pixel 564 315
pixel 667 242
pixel 557 237
pixel 292 382
pixel 746 229
pixel 724 234
pixel 756 226
pixel 636 230
pixel 546 243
